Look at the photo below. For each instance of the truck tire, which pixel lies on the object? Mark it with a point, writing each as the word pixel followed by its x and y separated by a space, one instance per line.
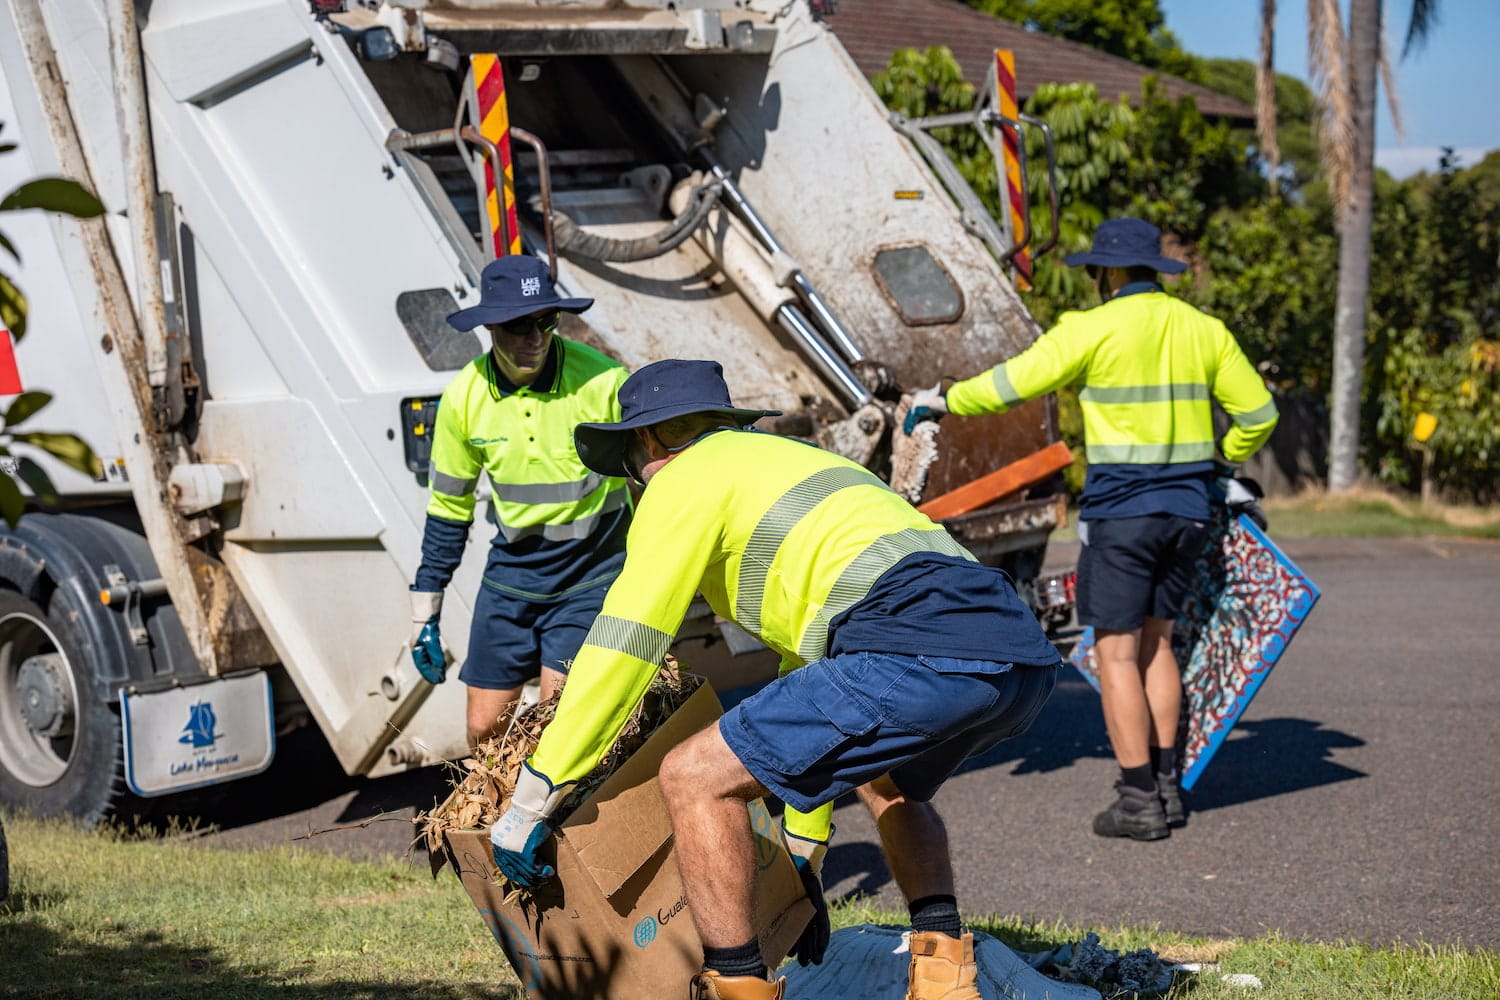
pixel 4 866
pixel 60 746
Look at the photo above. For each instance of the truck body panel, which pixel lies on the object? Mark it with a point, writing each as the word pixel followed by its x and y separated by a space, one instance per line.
pixel 313 248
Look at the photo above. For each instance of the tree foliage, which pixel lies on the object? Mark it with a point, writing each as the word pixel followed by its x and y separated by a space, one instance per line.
pixel 48 194
pixel 1435 331
pixel 1132 29
pixel 1268 266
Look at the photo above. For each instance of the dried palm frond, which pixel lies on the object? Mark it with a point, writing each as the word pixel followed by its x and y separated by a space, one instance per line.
pixel 488 779
pixel 1328 63
pixel 1388 81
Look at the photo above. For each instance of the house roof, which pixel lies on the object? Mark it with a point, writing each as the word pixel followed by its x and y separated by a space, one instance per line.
pixel 873 29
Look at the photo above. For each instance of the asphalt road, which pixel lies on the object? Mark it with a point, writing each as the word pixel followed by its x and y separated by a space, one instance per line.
pixel 1356 801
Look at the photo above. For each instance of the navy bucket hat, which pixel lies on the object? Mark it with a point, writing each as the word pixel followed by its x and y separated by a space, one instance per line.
pixel 659 392
pixel 1127 243
pixel 511 287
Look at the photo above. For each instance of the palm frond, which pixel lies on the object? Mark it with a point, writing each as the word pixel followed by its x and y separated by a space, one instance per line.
pixel 1388 81
pixel 1328 64
pixel 1423 20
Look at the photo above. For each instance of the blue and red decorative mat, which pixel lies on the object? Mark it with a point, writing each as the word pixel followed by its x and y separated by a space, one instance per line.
pixel 1246 604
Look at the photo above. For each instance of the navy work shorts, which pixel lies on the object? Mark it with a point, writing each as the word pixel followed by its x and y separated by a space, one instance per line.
pixel 513 637
pixel 841 722
pixel 1131 568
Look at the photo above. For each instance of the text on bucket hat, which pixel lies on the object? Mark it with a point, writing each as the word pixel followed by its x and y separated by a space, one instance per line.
pixel 658 392
pixel 511 287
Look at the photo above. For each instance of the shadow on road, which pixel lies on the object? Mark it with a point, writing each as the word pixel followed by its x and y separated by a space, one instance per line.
pixel 1069 728
pixel 1266 757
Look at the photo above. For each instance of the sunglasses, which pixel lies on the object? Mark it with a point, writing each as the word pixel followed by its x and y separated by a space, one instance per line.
pixel 522 326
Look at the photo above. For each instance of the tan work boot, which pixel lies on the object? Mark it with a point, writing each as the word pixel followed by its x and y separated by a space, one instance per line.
pixel 709 985
pixel 942 968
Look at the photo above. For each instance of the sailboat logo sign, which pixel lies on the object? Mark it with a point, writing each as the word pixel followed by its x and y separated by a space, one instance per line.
pixel 199 734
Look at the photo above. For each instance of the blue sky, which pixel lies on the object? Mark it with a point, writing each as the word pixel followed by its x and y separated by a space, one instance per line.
pixel 1444 87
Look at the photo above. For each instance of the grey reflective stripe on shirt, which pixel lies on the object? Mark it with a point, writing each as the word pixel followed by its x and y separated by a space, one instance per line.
pixel 451 486
pixel 631 638
pixel 859 576
pixel 1175 392
pixel 548 492
pixel 567 530
pixel 1007 392
pixel 1151 454
pixel 1259 415
pixel 776 523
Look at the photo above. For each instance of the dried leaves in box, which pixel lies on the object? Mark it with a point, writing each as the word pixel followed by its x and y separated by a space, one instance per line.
pixel 488 779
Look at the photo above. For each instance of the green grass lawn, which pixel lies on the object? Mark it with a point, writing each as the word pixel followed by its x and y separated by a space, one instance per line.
pixel 98 915
pixel 1371 514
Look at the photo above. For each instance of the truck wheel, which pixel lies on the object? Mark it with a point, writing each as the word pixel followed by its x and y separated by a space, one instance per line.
pixel 60 746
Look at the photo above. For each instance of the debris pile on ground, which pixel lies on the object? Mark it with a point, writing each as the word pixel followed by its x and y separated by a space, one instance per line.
pixel 488 779
pixel 1135 973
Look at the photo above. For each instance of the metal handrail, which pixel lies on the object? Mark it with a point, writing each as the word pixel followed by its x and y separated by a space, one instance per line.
pixel 403 141
pixel 497 169
pixel 544 177
pixel 1052 240
pixel 972 211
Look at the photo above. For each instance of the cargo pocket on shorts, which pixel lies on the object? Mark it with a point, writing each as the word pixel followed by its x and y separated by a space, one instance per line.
pixel 828 721
pixel 933 699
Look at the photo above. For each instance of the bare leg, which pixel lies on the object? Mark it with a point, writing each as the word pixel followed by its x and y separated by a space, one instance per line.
pixel 485 708
pixel 488 712
pixel 914 839
pixel 1122 690
pixel 1163 681
pixel 552 681
pixel 706 788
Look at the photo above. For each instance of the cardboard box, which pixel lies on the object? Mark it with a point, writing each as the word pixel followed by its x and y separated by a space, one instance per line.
pixel 615 922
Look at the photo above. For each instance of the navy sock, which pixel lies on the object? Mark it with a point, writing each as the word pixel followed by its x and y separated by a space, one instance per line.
pixel 936 913
pixel 1164 759
pixel 743 960
pixel 1140 778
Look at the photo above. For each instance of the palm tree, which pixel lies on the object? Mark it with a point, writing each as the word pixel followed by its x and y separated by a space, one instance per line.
pixel 1265 94
pixel 1345 68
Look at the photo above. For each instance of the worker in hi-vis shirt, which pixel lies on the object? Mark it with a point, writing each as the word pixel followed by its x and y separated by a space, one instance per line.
pixel 901 657
pixel 1148 365
pixel 560 527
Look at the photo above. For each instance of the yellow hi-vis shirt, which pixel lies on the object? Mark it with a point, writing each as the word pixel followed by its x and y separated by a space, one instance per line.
pixel 779 537
pixel 548 506
pixel 1149 364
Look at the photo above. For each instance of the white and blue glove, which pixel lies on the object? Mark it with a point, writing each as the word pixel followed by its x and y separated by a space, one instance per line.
pixel 426 641
pixel 808 856
pixel 926 404
pixel 1242 496
pixel 517 837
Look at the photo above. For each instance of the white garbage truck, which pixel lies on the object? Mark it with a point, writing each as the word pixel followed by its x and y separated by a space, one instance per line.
pixel 252 337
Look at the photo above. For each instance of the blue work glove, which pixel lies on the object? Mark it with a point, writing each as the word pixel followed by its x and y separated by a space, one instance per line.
pixel 426 641
pixel 926 404
pixel 807 855
pixel 517 837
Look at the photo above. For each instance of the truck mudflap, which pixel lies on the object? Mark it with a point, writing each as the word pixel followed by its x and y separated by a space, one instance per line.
pixel 186 737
